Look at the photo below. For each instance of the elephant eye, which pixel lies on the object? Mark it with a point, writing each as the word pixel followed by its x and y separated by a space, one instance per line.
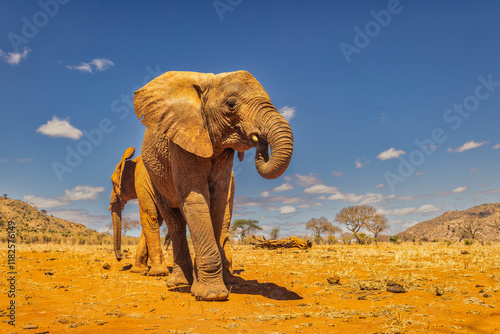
pixel 231 102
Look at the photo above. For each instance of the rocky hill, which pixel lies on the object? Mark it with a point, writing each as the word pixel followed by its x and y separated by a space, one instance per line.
pixel 33 226
pixel 451 225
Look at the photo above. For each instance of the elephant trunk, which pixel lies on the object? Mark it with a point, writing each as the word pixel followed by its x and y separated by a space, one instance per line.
pixel 116 215
pixel 276 132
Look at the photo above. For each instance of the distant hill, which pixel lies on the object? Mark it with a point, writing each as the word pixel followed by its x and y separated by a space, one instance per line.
pixel 33 226
pixel 449 225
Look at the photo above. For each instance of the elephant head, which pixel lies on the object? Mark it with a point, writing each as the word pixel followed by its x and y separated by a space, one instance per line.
pixel 207 113
pixel 123 191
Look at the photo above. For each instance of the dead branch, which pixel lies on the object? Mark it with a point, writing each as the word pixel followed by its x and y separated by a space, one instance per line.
pixel 290 242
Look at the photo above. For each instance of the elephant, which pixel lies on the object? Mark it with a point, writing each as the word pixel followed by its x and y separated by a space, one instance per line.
pixel 194 124
pixel 131 181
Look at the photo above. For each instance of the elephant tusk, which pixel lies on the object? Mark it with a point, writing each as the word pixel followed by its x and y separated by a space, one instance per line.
pixel 241 155
pixel 255 138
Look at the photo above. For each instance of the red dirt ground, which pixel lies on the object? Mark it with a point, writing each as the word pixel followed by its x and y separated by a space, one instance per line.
pixel 449 289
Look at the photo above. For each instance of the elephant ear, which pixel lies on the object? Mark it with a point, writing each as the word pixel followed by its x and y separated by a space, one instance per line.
pixel 171 103
pixel 116 178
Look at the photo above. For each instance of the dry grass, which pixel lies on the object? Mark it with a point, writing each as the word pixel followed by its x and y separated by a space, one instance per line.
pixel 449 289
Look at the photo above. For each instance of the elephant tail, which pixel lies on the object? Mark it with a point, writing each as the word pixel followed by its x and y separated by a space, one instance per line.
pixel 117 202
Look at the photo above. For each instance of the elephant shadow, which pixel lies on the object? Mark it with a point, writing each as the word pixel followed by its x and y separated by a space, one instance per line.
pixel 268 290
pixel 252 287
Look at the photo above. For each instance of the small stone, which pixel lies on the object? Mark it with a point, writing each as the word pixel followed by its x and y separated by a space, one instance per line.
pixel 396 288
pixel 486 295
pixel 64 321
pixel 106 266
pixel 30 327
pixel 333 280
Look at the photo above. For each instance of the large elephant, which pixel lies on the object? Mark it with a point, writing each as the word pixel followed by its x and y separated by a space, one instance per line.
pixel 195 122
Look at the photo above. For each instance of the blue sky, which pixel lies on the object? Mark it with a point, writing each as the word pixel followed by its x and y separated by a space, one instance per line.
pixel 394 104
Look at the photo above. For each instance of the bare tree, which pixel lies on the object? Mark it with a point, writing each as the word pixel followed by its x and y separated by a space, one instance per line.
pixel 495 224
pixel 5 196
pixel 356 217
pixel 129 224
pixel 470 228
pixel 321 225
pixel 244 227
pixel 377 225
pixel 274 233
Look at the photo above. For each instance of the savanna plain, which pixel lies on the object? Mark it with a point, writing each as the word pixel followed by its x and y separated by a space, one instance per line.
pixel 378 288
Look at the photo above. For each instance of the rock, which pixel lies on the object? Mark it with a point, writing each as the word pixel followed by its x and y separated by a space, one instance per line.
pixel 106 266
pixel 30 327
pixel 333 279
pixel 396 288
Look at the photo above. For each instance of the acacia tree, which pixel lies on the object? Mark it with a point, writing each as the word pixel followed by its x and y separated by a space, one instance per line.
pixel 274 233
pixel 355 218
pixel 377 225
pixel 321 225
pixel 243 227
pixel 128 224
pixel 470 228
pixel 495 224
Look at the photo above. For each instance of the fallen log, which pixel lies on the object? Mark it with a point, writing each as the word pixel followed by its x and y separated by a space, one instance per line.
pixel 290 242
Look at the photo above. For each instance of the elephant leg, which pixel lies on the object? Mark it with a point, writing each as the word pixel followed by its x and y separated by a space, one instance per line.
pixel 141 257
pixel 227 257
pixel 182 272
pixel 151 221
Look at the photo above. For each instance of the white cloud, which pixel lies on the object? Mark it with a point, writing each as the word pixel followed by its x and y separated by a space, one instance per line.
pixel 265 194
pixel 42 202
pixel 321 189
pixel 60 128
pixel 286 210
pixel 98 64
pixel 83 193
pixel 459 190
pixel 307 180
pixel 390 154
pixel 368 199
pixel 336 173
pixel 378 186
pixel 78 193
pixel 288 112
pixel 14 58
pixel 468 146
pixel 496 147
pixel 454 191
pixel 426 208
pixel 283 187
pixel 361 162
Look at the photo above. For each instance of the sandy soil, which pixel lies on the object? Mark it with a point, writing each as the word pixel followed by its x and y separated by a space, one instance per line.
pixel 449 289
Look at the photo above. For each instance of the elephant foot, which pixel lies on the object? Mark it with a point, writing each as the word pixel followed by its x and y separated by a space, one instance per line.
pixel 177 278
pixel 139 268
pixel 158 270
pixel 209 292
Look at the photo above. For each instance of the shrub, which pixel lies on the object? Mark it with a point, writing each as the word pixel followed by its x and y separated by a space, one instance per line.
pixel 394 239
pixel 467 242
